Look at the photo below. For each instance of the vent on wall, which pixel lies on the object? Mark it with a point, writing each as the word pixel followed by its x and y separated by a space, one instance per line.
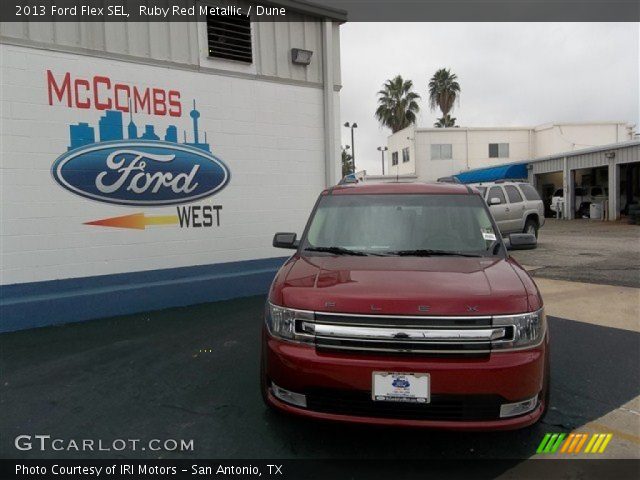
pixel 229 37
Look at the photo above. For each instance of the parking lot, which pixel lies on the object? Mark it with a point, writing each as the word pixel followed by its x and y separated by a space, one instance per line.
pixel 586 251
pixel 192 373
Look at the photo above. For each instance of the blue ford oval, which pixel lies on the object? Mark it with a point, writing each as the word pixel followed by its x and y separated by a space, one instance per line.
pixel 141 172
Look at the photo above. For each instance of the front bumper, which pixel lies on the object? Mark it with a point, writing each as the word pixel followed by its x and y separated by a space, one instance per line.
pixel 506 376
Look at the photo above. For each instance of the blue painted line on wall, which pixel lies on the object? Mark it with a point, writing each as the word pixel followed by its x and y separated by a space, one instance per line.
pixel 38 304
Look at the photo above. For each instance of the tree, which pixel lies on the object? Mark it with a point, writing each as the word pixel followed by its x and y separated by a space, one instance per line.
pixel 347 162
pixel 445 121
pixel 444 90
pixel 397 104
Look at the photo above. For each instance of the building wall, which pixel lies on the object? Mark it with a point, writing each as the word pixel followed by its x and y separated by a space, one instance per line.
pixel 470 146
pixel 552 139
pixel 398 141
pixel 183 44
pixel 266 122
pixel 270 135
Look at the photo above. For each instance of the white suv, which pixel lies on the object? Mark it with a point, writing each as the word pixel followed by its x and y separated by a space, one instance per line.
pixel 515 206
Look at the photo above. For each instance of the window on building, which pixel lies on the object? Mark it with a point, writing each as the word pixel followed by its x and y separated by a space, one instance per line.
pixel 496 192
pixel 405 155
pixel 441 151
pixel 229 37
pixel 498 150
pixel 394 158
pixel 530 193
pixel 513 194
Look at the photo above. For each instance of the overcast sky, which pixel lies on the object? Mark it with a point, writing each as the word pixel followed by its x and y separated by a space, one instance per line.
pixel 510 74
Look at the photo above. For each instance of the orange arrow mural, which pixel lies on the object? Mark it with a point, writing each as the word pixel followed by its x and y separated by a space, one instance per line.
pixel 136 221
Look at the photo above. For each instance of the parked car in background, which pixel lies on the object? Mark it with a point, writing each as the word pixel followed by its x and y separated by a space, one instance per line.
pixel 516 206
pixel 427 322
pixel 584 197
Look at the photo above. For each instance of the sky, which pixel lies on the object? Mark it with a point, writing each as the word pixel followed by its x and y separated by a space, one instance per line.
pixel 510 74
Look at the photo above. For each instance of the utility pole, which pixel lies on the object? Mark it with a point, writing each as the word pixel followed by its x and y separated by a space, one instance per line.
pixel 382 150
pixel 353 147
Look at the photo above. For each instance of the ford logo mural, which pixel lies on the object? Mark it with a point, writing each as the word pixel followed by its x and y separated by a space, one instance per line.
pixel 141 172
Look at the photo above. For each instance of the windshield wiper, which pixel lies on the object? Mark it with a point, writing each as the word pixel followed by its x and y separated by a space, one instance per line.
pixel 431 253
pixel 336 251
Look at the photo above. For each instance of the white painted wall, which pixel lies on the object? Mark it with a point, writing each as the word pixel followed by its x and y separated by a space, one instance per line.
pixel 270 134
pixel 470 146
pixel 401 139
pixel 552 139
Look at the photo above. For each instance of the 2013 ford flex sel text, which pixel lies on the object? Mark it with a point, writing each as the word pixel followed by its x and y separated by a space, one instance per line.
pixel 401 306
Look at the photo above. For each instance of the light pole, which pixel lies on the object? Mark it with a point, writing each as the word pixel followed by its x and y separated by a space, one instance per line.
pixel 353 147
pixel 382 150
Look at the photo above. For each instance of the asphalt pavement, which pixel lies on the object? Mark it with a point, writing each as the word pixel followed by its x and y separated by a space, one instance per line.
pixel 589 251
pixel 192 373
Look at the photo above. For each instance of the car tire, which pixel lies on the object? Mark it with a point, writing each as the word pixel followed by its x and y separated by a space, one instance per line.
pixel 531 226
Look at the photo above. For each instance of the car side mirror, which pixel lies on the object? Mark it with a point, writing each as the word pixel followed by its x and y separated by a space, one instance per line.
pixel 495 201
pixel 521 241
pixel 285 240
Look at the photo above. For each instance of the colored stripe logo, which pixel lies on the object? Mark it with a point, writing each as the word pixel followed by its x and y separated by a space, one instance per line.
pixel 574 443
pixel 138 221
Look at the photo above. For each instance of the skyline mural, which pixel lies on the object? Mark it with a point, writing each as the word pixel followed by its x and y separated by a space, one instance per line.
pixel 111 127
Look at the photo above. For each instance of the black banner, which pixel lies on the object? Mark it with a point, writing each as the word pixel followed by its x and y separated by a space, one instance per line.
pixel 336 10
pixel 318 469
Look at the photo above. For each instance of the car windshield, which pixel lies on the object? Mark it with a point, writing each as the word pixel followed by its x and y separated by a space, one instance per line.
pixel 407 224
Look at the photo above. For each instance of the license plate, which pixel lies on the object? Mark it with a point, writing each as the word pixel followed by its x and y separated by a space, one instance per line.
pixel 400 387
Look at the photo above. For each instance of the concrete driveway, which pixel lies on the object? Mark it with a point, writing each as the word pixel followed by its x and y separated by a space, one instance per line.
pixel 586 251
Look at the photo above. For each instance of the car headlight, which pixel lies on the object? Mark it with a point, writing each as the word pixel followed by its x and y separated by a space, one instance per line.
pixel 284 322
pixel 526 330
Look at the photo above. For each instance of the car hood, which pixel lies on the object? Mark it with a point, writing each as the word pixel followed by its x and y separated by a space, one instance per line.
pixel 404 285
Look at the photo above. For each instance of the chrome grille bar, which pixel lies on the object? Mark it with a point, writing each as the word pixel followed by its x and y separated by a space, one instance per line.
pixel 447 335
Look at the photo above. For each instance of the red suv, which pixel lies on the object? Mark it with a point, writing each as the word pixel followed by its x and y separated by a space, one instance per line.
pixel 401 306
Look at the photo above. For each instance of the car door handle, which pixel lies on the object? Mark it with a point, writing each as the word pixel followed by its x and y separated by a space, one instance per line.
pixel 506 209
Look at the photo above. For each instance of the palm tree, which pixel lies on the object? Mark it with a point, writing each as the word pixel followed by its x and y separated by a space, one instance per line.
pixel 397 104
pixel 347 162
pixel 446 121
pixel 444 90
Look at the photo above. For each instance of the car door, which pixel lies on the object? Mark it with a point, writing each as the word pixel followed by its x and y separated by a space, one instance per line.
pixel 516 207
pixel 500 211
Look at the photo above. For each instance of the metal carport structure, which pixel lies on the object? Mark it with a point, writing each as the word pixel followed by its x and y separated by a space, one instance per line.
pixel 611 156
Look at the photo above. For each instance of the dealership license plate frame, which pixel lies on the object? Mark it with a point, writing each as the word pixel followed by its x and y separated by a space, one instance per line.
pixel 382 389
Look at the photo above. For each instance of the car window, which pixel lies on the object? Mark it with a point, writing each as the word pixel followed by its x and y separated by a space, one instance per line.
pixel 529 192
pixel 497 192
pixel 379 224
pixel 596 191
pixel 513 194
pixel 559 193
pixel 482 190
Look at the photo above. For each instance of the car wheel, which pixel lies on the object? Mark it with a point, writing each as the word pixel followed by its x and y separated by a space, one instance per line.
pixel 531 226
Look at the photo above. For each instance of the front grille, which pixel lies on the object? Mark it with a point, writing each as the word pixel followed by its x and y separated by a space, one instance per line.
pixel 388 334
pixel 401 347
pixel 441 407
pixel 400 320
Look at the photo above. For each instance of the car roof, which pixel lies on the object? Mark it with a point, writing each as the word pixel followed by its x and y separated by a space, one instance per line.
pixel 400 188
